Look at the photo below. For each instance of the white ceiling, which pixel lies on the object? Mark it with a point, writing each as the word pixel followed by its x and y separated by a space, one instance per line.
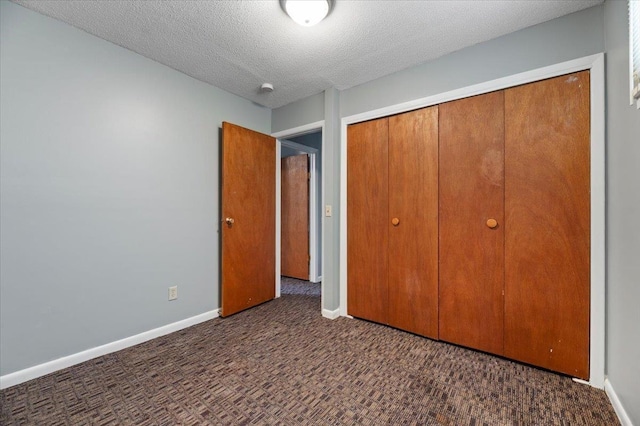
pixel 238 45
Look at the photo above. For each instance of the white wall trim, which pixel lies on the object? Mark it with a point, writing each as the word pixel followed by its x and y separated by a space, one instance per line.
pixel 40 370
pixel 278 189
pixel 313 205
pixel 298 146
pixel 313 218
pixel 594 63
pixel 624 418
pixel 598 212
pixel 331 314
pixel 550 71
pixel 300 130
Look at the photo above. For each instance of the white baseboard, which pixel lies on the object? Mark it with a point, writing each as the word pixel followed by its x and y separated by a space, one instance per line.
pixel 584 382
pixel 617 405
pixel 331 314
pixel 30 373
pixel 592 383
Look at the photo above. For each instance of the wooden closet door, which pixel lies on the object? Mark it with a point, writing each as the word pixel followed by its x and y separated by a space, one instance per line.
pixel 413 240
pixel 367 220
pixel 471 193
pixel 547 242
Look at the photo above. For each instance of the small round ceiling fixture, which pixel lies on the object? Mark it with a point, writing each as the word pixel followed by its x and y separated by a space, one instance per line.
pixel 307 12
pixel 266 88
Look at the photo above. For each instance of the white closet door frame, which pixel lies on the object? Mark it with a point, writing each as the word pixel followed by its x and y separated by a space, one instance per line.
pixel 593 63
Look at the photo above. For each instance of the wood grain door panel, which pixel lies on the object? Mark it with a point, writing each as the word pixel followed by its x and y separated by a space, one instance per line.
pixel 248 197
pixel 547 198
pixel 413 242
pixel 367 220
pixel 294 253
pixel 471 192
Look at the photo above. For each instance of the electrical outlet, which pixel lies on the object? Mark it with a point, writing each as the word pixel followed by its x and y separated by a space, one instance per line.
pixel 173 292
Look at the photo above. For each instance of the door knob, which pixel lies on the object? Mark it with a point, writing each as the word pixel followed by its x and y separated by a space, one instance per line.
pixel 229 221
pixel 395 221
pixel 492 223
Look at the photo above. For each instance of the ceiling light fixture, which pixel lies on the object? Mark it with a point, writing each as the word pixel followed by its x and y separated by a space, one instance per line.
pixel 266 88
pixel 307 12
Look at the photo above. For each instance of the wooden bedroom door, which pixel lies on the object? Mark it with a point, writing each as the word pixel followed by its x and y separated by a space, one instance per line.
pixel 472 222
pixel 547 246
pixel 248 218
pixel 294 235
pixel 413 222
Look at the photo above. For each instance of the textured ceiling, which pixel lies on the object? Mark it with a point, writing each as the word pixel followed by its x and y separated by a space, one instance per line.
pixel 238 45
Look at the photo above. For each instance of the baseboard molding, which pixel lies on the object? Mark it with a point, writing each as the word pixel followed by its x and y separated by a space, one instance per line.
pixel 331 314
pixel 617 405
pixel 40 370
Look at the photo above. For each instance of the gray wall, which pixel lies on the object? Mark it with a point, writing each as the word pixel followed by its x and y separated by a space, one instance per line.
pixel 331 185
pixel 314 140
pixel 109 190
pixel 623 212
pixel 569 37
pixel 304 111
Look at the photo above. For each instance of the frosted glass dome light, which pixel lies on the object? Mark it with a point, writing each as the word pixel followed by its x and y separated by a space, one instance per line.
pixel 306 12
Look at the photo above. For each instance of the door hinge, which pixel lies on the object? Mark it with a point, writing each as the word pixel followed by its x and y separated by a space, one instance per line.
pixel 308 175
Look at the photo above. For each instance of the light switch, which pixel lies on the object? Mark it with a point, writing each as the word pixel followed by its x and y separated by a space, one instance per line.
pixel 327 210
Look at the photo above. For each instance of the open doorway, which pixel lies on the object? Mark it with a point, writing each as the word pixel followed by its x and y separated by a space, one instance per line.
pixel 295 177
pixel 299 152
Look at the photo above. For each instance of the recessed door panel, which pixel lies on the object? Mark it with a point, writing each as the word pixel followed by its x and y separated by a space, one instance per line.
pixel 367 220
pixel 413 221
pixel 547 201
pixel 472 222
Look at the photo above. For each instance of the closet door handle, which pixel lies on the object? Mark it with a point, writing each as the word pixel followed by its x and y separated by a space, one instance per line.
pixel 395 221
pixel 492 223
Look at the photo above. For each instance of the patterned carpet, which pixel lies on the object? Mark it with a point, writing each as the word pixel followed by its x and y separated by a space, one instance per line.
pixel 296 286
pixel 281 363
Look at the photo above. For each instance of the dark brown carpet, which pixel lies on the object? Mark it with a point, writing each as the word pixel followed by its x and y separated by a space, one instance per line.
pixel 282 363
pixel 296 286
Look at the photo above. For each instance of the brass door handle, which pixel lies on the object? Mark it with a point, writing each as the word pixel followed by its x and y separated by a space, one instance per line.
pixel 229 221
pixel 492 223
pixel 395 221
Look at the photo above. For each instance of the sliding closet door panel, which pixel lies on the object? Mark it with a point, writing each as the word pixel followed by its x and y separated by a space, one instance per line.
pixel 367 220
pixel 413 237
pixel 471 245
pixel 547 203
